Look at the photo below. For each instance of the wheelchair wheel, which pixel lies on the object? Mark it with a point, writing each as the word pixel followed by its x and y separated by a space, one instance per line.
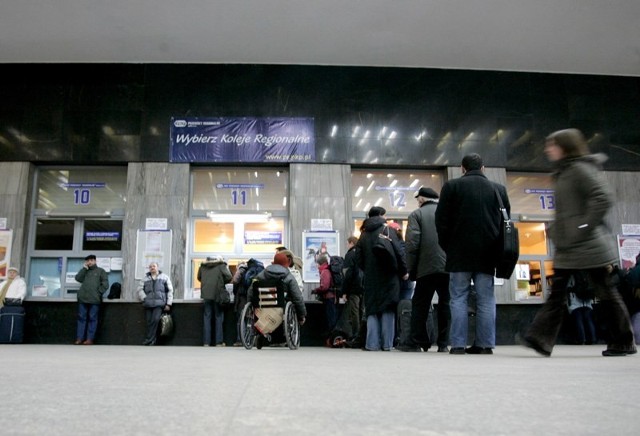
pixel 291 327
pixel 247 332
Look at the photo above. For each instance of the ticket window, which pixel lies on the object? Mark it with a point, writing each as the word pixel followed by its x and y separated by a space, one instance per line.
pixel 534 269
pixel 236 241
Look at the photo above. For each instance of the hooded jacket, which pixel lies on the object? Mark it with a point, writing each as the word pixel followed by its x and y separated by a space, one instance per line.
pixel 381 286
pixel 213 275
pixel 582 200
pixel 294 295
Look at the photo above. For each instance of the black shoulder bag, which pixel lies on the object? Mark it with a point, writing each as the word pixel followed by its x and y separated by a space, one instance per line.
pixel 509 244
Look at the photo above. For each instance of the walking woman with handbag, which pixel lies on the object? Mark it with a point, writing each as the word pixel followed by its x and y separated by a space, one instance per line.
pixel 582 243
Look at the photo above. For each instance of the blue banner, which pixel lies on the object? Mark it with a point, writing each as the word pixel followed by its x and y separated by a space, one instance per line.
pixel 242 140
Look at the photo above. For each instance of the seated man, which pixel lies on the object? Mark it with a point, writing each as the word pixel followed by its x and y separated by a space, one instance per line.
pixel 14 289
pixel 279 270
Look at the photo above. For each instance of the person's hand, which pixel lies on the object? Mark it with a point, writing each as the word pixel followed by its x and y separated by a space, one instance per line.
pixel 167 308
pixel 301 320
pixel 405 277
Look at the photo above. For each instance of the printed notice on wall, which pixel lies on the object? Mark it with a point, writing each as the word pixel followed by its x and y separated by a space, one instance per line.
pixel 631 229
pixel 156 224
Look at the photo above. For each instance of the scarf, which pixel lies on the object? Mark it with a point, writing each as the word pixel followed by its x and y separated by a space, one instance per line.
pixel 3 292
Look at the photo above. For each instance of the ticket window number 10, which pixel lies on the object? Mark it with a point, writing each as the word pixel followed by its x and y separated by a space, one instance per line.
pixel 81 196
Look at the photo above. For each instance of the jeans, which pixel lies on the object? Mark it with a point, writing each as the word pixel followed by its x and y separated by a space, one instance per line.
pixel 426 286
pixel 215 309
pixel 381 330
pixel 87 317
pixel 459 287
pixel 545 327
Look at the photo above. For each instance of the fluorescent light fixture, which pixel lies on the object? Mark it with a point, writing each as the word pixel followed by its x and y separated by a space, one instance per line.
pixel 217 217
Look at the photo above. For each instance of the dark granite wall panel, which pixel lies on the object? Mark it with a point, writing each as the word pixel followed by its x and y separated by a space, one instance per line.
pixel 116 113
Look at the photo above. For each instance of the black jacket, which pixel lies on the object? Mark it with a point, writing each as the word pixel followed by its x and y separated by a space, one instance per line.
pixel 468 221
pixel 381 287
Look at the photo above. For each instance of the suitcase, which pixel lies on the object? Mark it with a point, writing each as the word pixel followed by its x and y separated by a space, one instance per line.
pixel 11 325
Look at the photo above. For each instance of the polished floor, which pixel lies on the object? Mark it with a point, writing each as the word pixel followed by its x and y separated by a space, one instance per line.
pixel 135 390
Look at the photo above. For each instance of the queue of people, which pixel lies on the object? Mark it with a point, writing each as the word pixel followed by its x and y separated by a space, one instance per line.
pixel 452 248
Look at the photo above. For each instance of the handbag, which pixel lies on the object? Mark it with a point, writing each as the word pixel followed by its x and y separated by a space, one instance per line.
pixel 509 248
pixel 166 324
pixel 384 250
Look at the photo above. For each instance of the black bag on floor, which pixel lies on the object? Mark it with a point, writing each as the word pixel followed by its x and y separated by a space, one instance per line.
pixel 11 325
pixel 404 322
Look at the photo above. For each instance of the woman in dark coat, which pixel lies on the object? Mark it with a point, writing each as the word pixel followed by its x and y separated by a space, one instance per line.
pixel 381 282
pixel 582 242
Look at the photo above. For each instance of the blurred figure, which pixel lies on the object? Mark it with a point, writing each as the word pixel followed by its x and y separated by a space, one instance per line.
pixel 583 244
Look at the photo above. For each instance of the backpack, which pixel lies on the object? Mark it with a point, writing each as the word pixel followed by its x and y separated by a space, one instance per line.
pixel 114 291
pixel 336 265
pixel 254 267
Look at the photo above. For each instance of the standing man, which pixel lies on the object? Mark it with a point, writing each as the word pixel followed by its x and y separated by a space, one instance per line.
pixel 468 222
pixel 213 275
pixel 94 283
pixel 426 264
pixel 14 289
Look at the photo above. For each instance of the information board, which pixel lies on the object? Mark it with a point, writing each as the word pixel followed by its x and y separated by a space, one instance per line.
pixel 153 246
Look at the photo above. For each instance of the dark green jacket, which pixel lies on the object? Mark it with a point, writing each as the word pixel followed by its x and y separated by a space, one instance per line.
pixel 94 283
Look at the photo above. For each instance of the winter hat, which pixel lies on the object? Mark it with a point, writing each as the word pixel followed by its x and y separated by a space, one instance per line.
pixel 395 226
pixel 427 193
pixel 281 259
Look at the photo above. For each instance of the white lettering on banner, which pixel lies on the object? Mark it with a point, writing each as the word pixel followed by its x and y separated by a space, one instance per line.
pixel 195 139
pixel 236 139
pixel 268 141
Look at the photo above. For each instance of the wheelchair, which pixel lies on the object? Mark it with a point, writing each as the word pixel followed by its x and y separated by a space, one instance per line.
pixel 268 295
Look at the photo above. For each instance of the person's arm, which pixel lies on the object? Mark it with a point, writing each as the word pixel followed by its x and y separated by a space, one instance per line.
pixel 169 286
pixel 140 290
pixel 104 281
pixel 82 274
pixel 297 299
pixel 226 274
pixel 414 235
pixel 443 220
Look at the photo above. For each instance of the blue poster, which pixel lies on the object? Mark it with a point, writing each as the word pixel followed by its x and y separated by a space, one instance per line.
pixel 242 140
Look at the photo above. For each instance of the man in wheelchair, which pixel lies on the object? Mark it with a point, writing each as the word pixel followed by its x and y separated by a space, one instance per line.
pixel 274 276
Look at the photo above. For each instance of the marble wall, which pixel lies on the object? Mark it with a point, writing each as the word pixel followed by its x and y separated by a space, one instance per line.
pixel 156 190
pixel 319 191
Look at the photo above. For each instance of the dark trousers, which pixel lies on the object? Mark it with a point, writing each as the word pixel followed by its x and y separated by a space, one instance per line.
pixel 546 325
pixel 330 312
pixel 585 328
pixel 152 316
pixel 426 286
pixel 349 322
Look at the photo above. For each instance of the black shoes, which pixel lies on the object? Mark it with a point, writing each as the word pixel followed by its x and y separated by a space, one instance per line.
pixel 443 349
pixel 457 350
pixel 409 348
pixel 478 350
pixel 612 352
pixel 530 343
